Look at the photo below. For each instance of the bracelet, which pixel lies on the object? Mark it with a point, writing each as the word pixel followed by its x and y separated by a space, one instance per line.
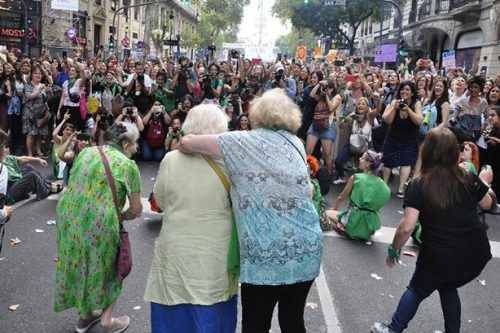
pixel 393 253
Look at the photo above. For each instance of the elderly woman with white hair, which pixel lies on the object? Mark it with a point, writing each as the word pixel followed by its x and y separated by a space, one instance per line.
pixel 88 229
pixel 191 287
pixel 280 239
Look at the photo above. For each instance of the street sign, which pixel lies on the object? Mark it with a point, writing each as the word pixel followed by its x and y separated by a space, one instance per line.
pixel 140 44
pixel 171 42
pixel 334 2
pixel 386 53
pixel 126 42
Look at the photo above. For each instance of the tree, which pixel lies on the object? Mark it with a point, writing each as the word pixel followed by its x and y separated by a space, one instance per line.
pixel 328 20
pixel 220 20
pixel 295 38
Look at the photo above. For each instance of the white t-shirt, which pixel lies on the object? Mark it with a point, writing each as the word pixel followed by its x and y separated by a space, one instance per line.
pixel 4 177
pixel 147 80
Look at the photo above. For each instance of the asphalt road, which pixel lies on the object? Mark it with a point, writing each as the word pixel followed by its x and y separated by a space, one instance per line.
pixel 355 287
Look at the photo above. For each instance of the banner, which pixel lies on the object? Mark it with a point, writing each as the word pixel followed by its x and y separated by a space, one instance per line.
pixel 301 53
pixel 70 5
pixel 449 59
pixel 386 53
pixel 332 55
pixel 318 52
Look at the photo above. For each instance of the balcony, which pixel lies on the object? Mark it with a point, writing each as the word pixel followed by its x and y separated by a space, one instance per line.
pixel 465 10
pixel 442 7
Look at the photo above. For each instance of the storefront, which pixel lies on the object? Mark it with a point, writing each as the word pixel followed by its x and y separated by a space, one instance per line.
pixel 468 50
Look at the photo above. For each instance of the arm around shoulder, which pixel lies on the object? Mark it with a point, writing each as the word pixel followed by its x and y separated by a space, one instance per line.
pixel 201 144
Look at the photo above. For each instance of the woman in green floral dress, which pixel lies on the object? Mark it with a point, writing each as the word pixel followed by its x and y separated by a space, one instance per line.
pixel 88 230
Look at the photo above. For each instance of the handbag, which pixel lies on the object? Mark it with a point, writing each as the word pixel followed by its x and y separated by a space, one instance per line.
pixel 358 144
pixel 124 255
pixel 233 258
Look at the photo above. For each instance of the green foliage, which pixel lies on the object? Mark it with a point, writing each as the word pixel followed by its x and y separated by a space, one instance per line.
pixel 220 19
pixel 327 20
pixel 295 38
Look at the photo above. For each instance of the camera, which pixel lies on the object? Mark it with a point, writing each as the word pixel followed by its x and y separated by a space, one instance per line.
pixel 157 111
pixel 402 104
pixel 358 117
pixel 278 76
pixel 130 111
pixel 212 47
pixel 140 77
pixel 356 60
pixel 184 67
pixel 234 54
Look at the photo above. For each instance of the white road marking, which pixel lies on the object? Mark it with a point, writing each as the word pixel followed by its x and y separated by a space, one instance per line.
pixel 386 234
pixel 326 300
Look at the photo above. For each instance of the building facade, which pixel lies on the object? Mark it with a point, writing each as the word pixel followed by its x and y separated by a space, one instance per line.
pixel 89 28
pixel 471 28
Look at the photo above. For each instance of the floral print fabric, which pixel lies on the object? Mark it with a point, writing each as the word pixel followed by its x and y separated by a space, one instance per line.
pixel 88 230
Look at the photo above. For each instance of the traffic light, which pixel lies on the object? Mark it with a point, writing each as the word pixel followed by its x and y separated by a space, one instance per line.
pixel 402 48
pixel 111 41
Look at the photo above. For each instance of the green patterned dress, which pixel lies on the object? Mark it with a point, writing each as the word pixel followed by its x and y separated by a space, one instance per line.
pixel 88 231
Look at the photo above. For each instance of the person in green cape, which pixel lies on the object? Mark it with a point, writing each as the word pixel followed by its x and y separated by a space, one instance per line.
pixel 367 194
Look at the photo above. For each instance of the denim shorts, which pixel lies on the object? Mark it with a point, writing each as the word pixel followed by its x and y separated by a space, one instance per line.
pixel 328 134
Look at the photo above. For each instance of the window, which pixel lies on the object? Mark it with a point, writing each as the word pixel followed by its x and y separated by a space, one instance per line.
pixel 136 10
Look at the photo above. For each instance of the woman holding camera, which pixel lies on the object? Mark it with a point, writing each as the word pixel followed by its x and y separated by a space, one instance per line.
pixel 154 133
pixel 131 115
pixel 400 149
pixel 185 104
pixel 324 126
pixel 174 135
pixel 70 101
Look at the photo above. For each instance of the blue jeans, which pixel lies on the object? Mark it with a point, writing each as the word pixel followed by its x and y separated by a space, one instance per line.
pixel 342 156
pixel 422 285
pixel 148 153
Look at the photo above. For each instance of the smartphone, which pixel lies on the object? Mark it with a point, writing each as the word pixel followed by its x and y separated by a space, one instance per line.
pixel 64 54
pixel 279 56
pixel 350 78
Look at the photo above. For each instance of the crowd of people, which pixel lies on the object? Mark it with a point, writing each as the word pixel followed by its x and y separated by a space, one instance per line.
pixel 297 128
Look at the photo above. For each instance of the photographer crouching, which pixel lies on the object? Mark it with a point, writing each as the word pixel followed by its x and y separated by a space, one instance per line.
pixel 154 134
pixel 174 135
pixel 103 120
pixel 130 115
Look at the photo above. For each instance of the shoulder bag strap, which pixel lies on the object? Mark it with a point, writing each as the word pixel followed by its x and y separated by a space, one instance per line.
pixel 294 146
pixel 111 182
pixel 222 176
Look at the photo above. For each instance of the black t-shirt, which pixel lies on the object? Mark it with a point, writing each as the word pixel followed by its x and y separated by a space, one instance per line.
pixel 453 240
pixel 403 130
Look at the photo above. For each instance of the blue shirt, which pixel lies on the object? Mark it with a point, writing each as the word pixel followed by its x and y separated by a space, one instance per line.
pixel 61 77
pixel 279 233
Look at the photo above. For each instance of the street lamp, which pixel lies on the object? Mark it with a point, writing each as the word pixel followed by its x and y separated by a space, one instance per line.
pixel 25 38
pixel 171 17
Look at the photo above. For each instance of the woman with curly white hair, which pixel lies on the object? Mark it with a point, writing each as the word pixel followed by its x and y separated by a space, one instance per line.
pixel 280 239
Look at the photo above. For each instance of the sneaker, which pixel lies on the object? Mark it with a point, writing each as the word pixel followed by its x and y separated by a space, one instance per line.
pixel 401 194
pixel 119 325
pixel 85 324
pixel 338 181
pixel 381 328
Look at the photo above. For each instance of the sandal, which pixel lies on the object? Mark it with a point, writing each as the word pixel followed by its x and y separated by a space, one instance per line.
pixel 88 323
pixel 119 325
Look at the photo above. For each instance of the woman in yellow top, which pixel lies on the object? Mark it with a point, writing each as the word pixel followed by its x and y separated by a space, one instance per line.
pixel 188 285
